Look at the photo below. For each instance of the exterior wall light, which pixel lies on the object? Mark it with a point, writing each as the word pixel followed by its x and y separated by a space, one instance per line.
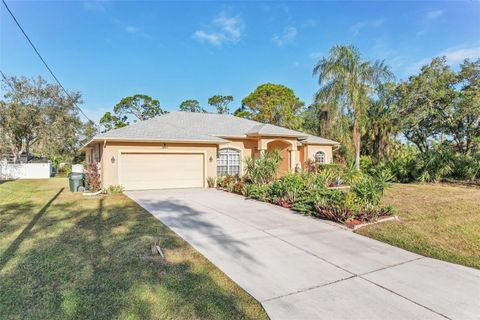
pixel 112 159
pixel 210 159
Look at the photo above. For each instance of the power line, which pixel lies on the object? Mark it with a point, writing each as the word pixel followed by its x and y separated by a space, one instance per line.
pixel 41 58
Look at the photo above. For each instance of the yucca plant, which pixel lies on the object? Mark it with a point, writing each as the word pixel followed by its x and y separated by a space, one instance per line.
pixel 262 170
pixel 383 179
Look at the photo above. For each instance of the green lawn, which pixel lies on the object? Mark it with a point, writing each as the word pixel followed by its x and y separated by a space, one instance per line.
pixel 65 256
pixel 439 221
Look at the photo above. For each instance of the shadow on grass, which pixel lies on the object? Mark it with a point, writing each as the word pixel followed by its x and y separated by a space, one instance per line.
pixel 100 267
pixel 25 232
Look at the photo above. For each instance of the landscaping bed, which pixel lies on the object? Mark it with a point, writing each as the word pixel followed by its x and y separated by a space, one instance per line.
pixel 333 192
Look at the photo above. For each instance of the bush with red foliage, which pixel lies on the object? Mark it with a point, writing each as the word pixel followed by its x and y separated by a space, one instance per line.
pixel 334 213
pixel 92 178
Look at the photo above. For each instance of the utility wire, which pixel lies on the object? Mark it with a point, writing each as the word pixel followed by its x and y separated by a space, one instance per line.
pixel 41 58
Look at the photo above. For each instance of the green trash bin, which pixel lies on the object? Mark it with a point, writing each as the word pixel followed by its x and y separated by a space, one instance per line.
pixel 75 181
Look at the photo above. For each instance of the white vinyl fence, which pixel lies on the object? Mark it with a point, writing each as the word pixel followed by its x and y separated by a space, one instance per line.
pixel 25 171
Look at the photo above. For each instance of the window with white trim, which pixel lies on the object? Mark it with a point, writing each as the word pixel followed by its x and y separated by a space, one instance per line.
pixel 228 162
pixel 320 157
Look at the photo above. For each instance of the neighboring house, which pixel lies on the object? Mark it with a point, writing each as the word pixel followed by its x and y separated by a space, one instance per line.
pixel 182 149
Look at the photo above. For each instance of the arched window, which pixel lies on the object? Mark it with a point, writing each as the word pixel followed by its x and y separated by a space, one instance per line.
pixel 228 162
pixel 320 157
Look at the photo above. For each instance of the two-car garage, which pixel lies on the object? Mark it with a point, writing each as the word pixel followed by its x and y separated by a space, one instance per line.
pixel 149 170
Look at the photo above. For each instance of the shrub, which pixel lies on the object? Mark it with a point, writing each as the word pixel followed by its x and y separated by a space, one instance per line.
pixel 351 174
pixel 258 192
pixel 368 191
pixel 92 178
pixel 308 199
pixel 311 166
pixel 211 181
pixel 308 192
pixel 405 167
pixel 326 178
pixel 334 213
pixel 383 179
pixel 65 170
pixel 227 182
pixel 372 214
pixel 114 189
pixel 262 170
pixel 220 181
pixel 435 165
pixel 288 187
pixel 239 187
pixel 466 167
pixel 304 205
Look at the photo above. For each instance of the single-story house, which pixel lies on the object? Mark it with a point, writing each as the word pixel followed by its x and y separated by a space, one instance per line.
pixel 183 149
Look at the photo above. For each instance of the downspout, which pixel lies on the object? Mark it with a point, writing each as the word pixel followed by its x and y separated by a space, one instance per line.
pixel 102 168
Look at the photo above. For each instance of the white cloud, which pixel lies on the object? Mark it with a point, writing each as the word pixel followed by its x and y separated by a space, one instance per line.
pixel 455 56
pixel 357 27
pixel 434 14
pixel 316 55
pixel 428 19
pixel 95 5
pixel 286 37
pixel 309 23
pixel 223 29
pixel 131 29
pixel 231 26
pixel 213 38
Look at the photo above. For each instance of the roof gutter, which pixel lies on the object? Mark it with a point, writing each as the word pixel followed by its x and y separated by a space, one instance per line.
pixel 276 135
pixel 104 140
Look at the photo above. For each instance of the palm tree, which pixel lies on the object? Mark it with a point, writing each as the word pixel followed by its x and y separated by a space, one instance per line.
pixel 383 121
pixel 348 80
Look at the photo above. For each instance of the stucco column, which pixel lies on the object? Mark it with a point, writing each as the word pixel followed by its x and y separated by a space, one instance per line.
pixel 261 146
pixel 292 160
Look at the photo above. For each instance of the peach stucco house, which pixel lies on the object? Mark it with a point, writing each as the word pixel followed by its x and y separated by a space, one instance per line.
pixel 182 149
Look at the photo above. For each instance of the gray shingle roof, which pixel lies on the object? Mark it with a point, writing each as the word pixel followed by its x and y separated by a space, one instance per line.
pixel 192 126
pixel 269 129
pixel 318 140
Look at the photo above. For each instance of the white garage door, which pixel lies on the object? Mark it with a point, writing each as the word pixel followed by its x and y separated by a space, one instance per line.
pixel 142 171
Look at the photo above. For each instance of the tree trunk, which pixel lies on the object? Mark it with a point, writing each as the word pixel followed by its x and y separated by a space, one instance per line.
pixel 27 150
pixel 356 144
pixel 377 148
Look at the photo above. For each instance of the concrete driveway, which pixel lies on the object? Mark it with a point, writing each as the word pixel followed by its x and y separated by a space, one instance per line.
pixel 302 268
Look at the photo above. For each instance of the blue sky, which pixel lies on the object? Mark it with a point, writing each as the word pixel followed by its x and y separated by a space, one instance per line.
pixel 192 50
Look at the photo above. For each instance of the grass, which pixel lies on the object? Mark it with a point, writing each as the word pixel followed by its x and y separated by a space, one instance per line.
pixel 438 221
pixel 65 256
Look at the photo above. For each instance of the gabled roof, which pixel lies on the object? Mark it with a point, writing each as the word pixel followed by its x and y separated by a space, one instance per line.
pixel 201 127
pixel 269 129
pixel 318 140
